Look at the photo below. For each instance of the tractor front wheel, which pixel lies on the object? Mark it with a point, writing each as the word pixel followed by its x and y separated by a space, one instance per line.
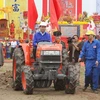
pixel 27 80
pixel 18 61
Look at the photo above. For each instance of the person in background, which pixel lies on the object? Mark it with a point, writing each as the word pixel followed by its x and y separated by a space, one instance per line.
pixel 12 29
pixel 74 48
pixel 58 40
pixel 26 41
pixel 8 51
pixel 1 55
pixel 41 36
pixel 25 30
pixel 13 46
pixel 4 47
pixel 82 42
pixel 91 53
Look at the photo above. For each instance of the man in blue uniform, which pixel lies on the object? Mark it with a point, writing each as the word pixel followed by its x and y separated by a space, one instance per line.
pixel 41 36
pixel 91 52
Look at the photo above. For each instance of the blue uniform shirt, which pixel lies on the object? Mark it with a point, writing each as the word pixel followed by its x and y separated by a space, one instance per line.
pixel 39 37
pixel 91 50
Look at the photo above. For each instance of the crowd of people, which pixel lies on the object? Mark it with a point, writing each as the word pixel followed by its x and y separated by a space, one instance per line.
pixel 8 47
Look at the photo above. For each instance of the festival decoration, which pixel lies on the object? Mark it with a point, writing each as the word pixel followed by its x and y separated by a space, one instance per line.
pixel 7 10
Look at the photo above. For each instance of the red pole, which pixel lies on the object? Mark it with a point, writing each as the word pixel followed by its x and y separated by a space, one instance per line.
pixel 79 7
pixel 44 7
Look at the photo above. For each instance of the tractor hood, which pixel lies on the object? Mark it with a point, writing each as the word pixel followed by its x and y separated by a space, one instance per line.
pixel 50 47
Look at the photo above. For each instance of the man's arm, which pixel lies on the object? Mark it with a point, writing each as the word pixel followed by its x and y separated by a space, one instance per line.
pixel 34 40
pixel 76 47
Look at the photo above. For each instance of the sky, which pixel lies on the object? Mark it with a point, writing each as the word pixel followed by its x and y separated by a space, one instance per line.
pixel 39 8
pixel 89 6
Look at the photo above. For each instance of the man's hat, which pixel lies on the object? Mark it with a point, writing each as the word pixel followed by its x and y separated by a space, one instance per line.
pixel 57 33
pixel 90 33
pixel 43 24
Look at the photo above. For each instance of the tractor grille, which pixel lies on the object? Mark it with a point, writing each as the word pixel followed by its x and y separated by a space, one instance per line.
pixel 51 58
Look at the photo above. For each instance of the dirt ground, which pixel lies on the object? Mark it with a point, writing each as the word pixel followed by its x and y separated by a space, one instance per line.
pixel 7 93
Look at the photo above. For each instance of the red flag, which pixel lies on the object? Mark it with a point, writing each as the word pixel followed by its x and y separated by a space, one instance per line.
pixel 44 7
pixel 32 14
pixel 55 12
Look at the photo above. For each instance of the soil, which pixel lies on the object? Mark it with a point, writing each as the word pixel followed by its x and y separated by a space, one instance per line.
pixel 7 93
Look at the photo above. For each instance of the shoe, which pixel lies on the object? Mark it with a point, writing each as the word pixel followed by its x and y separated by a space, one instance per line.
pixel 84 89
pixel 95 91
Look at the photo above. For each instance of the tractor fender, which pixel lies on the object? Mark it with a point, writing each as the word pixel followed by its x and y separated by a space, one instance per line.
pixel 26 50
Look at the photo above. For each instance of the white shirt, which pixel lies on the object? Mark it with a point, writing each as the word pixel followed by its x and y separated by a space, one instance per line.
pixel 25 28
pixel 13 44
pixel 42 33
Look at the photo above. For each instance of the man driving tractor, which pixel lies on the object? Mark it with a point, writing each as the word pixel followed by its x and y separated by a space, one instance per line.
pixel 40 36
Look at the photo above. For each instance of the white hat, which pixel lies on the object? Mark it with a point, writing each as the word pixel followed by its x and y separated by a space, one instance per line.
pixel 43 24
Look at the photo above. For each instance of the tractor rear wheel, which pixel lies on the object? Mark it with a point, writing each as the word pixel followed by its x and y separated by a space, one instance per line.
pixel 27 80
pixel 72 78
pixel 18 61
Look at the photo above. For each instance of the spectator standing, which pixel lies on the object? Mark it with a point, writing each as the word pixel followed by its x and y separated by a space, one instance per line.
pixel 74 52
pixel 12 29
pixel 25 30
pixel 13 46
pixel 91 52
pixel 8 51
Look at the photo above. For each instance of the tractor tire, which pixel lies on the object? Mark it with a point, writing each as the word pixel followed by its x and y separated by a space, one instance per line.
pixel 18 61
pixel 59 85
pixel 27 80
pixel 72 78
pixel 64 61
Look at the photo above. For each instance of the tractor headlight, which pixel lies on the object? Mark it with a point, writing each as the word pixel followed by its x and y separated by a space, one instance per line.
pixel 50 52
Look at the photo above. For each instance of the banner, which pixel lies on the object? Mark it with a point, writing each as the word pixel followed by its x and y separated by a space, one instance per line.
pixel 19 6
pixel 68 6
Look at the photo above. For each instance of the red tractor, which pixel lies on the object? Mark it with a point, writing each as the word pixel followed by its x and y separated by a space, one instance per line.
pixel 51 66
